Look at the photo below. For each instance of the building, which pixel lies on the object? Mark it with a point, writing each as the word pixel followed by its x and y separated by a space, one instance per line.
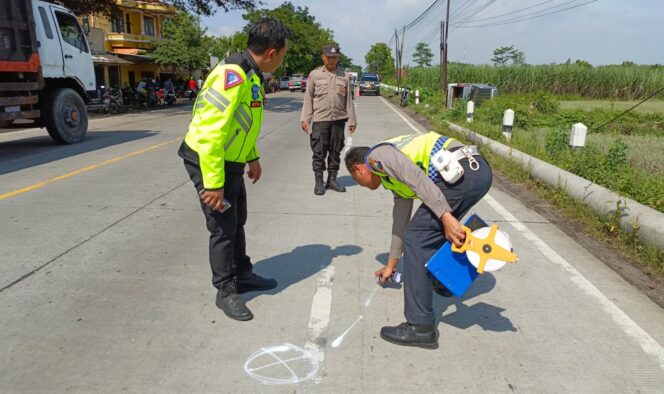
pixel 120 43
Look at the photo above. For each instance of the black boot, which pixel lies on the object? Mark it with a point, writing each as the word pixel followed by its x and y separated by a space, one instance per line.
pixel 406 334
pixel 332 182
pixel 319 189
pixel 229 301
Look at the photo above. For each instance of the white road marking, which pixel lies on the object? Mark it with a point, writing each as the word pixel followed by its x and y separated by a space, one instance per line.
pixel 647 343
pixel 320 317
pixel 400 115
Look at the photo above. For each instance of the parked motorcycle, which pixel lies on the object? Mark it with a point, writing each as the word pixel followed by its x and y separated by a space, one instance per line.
pixel 170 98
pixel 404 96
pixel 191 94
pixel 112 101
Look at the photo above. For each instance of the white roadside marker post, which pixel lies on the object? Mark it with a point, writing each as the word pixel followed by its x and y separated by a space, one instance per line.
pixel 577 137
pixel 470 109
pixel 508 122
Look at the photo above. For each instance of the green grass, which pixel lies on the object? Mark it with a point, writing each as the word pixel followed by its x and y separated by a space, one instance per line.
pixel 652 106
pixel 605 82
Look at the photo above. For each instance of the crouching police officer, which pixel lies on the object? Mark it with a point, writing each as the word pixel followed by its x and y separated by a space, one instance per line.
pixel 404 165
pixel 221 139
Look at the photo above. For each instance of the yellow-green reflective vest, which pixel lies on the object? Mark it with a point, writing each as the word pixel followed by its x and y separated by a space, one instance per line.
pixel 226 120
pixel 417 147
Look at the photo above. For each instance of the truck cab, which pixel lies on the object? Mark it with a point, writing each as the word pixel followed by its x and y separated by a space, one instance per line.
pixel 46 70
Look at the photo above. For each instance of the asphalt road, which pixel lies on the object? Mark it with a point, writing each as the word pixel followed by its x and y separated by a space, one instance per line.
pixel 105 285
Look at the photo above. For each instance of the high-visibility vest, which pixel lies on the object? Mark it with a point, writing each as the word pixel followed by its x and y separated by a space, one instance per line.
pixel 417 147
pixel 226 120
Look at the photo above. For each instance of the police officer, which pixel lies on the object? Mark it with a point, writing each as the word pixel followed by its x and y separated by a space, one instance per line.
pixel 328 103
pixel 221 140
pixel 404 166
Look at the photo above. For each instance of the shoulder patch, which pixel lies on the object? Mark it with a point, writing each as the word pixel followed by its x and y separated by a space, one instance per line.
pixel 232 78
pixel 375 165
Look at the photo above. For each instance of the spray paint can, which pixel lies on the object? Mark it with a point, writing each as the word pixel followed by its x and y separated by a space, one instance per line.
pixel 395 278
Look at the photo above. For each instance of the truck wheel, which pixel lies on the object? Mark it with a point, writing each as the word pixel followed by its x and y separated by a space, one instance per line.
pixel 67 118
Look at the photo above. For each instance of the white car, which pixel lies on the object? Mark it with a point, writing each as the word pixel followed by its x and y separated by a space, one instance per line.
pixel 283 83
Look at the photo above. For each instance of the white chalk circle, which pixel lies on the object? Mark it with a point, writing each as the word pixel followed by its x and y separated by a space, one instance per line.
pixel 284 364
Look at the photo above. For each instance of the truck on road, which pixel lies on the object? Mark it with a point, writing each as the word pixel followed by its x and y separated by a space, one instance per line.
pixel 46 70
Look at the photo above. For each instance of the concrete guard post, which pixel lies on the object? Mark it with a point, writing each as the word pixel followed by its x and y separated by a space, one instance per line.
pixel 599 198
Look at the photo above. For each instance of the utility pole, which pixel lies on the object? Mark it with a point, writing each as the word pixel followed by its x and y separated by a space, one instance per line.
pixel 396 55
pixel 403 38
pixel 443 77
pixel 442 48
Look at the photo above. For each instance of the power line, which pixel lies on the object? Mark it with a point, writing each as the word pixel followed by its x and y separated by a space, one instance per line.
pixel 524 18
pixel 419 18
pixel 471 14
pixel 507 13
pixel 459 9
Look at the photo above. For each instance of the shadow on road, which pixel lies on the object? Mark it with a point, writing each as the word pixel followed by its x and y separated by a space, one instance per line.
pixel 284 104
pixel 298 264
pixel 346 180
pixel 487 316
pixel 29 152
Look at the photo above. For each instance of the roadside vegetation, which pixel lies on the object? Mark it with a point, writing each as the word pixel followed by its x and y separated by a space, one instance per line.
pixel 625 155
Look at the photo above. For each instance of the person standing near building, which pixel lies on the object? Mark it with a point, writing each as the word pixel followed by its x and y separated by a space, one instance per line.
pixel 221 140
pixel 327 107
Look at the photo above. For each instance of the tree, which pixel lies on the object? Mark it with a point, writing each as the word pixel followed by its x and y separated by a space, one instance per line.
pixel 202 7
pixel 306 39
pixel 221 47
pixel 185 44
pixel 347 63
pixel 422 55
pixel 503 55
pixel 379 60
pixel 583 63
pixel 518 58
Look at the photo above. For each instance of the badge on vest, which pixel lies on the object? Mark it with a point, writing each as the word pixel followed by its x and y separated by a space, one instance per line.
pixel 256 104
pixel 231 79
pixel 255 90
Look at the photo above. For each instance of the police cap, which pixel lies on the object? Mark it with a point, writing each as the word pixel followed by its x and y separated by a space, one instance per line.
pixel 331 50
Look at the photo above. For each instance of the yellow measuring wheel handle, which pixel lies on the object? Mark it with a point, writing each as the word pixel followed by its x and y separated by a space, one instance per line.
pixel 486 248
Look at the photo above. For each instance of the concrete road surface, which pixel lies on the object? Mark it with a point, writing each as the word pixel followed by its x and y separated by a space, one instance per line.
pixel 105 284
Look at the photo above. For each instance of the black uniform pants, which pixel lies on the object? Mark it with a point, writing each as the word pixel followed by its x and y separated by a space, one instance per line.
pixel 228 248
pixel 425 235
pixel 327 141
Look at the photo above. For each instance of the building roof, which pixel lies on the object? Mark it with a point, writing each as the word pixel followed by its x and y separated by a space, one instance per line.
pixel 109 59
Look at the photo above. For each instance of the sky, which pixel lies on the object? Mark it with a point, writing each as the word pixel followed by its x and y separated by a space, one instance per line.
pixel 601 32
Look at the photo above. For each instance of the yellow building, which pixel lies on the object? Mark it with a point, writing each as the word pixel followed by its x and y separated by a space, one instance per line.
pixel 119 43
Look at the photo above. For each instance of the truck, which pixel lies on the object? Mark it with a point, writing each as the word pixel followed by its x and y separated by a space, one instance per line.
pixel 46 70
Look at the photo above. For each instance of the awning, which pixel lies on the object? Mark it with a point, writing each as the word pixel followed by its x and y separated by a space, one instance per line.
pixel 109 59
pixel 133 55
pixel 128 51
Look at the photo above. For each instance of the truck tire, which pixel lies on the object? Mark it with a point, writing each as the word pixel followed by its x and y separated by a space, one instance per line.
pixel 66 118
